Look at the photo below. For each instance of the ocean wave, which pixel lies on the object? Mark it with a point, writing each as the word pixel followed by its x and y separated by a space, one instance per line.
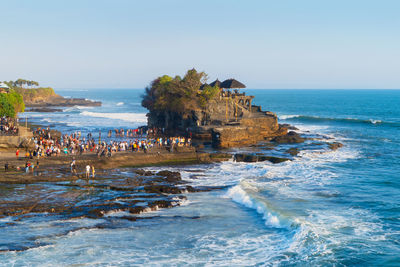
pixel 76 108
pixel 285 117
pixel 120 103
pixel 304 118
pixel 239 195
pixel 129 117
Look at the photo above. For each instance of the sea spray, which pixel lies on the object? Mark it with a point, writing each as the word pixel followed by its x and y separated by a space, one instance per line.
pixel 239 195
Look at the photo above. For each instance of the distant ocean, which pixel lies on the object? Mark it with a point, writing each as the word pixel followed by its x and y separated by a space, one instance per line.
pixel 324 208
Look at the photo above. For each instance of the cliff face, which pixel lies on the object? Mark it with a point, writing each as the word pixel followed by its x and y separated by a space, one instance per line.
pixel 248 131
pixel 229 121
pixel 45 97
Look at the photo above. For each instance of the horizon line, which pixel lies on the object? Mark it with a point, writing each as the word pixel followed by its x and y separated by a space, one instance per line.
pixel 132 88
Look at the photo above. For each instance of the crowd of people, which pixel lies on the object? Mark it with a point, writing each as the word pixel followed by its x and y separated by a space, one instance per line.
pixel 49 143
pixel 8 126
pixel 76 144
pixel 129 133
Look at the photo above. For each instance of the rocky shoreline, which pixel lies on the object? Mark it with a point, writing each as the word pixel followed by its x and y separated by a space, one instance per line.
pixel 59 101
pixel 119 185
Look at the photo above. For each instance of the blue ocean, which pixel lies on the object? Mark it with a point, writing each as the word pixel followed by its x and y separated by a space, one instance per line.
pixel 323 208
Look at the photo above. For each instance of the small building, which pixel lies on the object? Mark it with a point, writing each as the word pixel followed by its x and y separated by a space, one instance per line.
pixel 4 89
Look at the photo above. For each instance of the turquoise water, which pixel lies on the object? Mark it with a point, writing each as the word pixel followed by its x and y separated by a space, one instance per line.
pixel 324 208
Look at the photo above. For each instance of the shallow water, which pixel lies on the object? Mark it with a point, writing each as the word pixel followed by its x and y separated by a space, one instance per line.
pixel 323 208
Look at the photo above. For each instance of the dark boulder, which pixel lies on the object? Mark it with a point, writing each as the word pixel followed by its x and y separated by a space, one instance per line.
pixel 257 158
pixel 290 138
pixel 293 151
pixel 245 158
pixel 272 159
pixel 162 189
pixel 44 109
pixel 335 145
pixel 170 176
pixel 143 172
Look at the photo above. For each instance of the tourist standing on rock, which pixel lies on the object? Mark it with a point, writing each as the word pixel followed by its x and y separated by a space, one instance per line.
pixel 73 166
pixel 87 171
pixel 17 153
pixel 93 171
pixel 27 165
pixel 6 167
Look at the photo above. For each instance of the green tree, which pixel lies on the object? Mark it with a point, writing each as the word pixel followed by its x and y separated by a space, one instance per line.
pixel 208 93
pixel 167 94
pixel 6 108
pixel 16 100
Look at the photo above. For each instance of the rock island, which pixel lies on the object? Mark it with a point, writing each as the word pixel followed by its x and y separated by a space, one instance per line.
pixel 217 112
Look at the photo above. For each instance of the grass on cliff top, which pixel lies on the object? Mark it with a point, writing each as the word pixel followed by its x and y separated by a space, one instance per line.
pixel 31 94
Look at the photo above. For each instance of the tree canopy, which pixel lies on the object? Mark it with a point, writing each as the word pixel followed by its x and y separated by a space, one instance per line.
pixel 11 104
pixel 180 95
pixel 22 82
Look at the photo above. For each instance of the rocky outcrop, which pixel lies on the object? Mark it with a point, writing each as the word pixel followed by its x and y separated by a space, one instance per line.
pixel 236 136
pixel 335 145
pixel 290 138
pixel 293 151
pixel 252 127
pixel 43 109
pixel 258 158
pixel 228 120
pixel 59 101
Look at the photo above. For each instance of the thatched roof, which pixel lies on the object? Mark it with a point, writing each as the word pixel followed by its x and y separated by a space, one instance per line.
pixel 215 83
pixel 232 83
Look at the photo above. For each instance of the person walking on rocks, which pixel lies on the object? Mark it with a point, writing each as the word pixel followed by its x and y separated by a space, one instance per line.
pixel 73 166
pixel 87 171
pixel 93 171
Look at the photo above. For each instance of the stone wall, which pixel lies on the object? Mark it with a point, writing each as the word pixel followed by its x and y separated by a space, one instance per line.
pixel 23 140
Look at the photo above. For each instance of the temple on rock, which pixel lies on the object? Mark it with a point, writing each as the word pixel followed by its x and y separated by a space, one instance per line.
pixel 227 118
pixel 231 120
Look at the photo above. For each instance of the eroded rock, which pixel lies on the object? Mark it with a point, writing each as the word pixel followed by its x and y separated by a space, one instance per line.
pixel 335 145
pixel 293 151
pixel 257 158
pixel 290 138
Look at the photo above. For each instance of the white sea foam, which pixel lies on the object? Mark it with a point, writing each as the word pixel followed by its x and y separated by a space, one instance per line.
pixel 77 108
pixel 130 117
pixel 315 129
pixel 120 103
pixel 375 121
pixel 285 117
pixel 239 195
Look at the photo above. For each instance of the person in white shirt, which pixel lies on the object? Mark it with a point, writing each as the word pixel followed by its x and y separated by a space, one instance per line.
pixel 87 171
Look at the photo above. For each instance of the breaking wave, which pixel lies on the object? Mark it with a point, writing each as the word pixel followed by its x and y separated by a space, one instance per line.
pixel 303 118
pixel 130 117
pixel 239 195
pixel 76 108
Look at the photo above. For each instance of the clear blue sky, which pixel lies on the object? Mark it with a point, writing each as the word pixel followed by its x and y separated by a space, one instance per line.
pixel 264 44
